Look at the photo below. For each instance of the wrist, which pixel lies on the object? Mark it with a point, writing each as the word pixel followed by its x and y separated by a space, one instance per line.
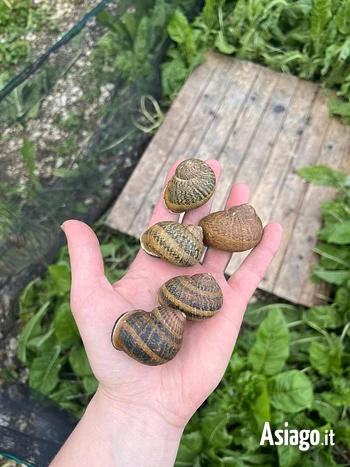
pixel 138 435
pixel 114 433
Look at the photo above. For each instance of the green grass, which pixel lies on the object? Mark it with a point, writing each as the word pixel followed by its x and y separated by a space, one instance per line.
pixel 18 18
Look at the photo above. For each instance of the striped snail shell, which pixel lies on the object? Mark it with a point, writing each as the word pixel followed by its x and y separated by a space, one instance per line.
pixel 198 296
pixel 152 338
pixel 237 229
pixel 176 243
pixel 192 185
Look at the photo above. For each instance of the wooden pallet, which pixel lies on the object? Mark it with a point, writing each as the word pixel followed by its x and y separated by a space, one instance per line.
pixel 262 126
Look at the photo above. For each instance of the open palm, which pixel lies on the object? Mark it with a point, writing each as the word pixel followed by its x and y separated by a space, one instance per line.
pixel 174 390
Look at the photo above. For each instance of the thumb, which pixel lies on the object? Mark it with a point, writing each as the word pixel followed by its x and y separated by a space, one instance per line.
pixel 85 257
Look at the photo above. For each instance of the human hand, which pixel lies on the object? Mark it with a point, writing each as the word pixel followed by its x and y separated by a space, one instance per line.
pixel 170 393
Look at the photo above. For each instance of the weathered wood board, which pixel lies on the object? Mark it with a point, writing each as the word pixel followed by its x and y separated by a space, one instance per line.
pixel 262 126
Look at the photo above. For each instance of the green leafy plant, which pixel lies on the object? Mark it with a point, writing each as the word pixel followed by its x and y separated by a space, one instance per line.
pixel 307 38
pixel 132 41
pixel 294 368
pixel 50 344
pixel 17 18
pixel 24 101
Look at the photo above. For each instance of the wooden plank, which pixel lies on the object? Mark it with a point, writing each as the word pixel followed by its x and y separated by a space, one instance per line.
pixel 283 152
pixel 293 277
pixel 225 118
pixel 262 126
pixel 243 130
pixel 266 132
pixel 287 205
pixel 189 140
pixel 271 181
pixel 147 171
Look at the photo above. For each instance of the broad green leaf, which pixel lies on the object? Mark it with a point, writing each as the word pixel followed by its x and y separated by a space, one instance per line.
pixel 110 249
pixel 333 257
pixel 325 359
pixel 214 430
pixel 340 234
pixel 60 274
pixel 222 45
pixel 342 299
pixel 64 391
pixel 190 447
pixel 45 370
pixel 271 349
pixel 180 31
pixel 333 277
pixel 257 459
pixel 43 343
pixel 161 14
pixel 257 312
pixel 290 391
pixel 179 28
pixel 326 317
pixel 338 107
pixel 30 330
pixel 174 74
pixel 66 330
pixel 208 11
pixel 326 411
pixel 342 432
pixel 321 14
pixel 141 42
pixel 79 361
pixel 322 175
pixel 288 456
pixel 261 406
pixel 338 400
pixel 90 383
pixel 237 363
pixel 27 298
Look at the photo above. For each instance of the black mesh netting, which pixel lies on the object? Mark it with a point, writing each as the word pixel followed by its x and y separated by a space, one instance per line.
pixel 73 125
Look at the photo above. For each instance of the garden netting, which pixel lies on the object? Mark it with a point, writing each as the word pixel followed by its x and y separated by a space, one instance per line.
pixel 73 125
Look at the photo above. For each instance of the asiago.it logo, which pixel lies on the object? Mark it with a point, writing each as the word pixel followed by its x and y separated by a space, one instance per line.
pixel 301 438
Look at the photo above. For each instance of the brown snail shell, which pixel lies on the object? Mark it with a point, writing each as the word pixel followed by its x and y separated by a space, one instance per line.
pixel 176 243
pixel 237 229
pixel 152 338
pixel 192 186
pixel 198 296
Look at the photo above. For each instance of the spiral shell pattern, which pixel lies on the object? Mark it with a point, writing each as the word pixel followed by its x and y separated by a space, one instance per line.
pixel 176 243
pixel 198 296
pixel 192 186
pixel 237 229
pixel 150 338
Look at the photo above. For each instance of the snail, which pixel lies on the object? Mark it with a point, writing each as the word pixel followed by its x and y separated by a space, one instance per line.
pixel 237 229
pixel 176 243
pixel 192 185
pixel 198 296
pixel 152 338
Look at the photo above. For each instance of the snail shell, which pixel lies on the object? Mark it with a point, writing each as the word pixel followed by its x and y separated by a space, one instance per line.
pixel 237 229
pixel 192 185
pixel 150 338
pixel 176 243
pixel 198 296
